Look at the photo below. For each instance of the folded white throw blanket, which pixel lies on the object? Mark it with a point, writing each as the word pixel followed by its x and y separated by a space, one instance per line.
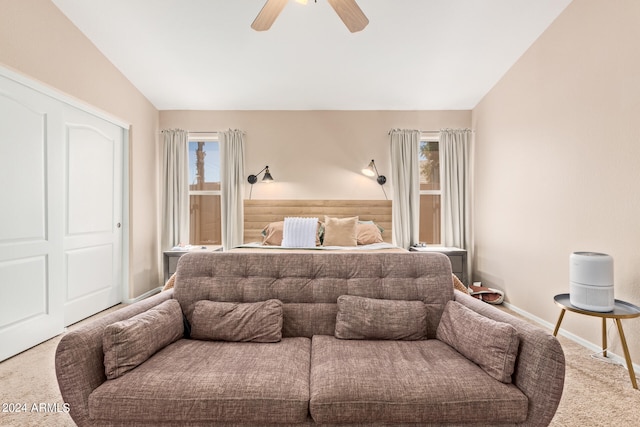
pixel 299 232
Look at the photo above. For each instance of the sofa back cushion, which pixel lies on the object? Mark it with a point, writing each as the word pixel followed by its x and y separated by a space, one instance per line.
pixel 128 343
pixel 309 284
pixel 237 322
pixel 361 318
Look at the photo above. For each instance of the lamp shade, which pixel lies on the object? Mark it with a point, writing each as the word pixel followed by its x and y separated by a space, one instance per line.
pixel 267 176
pixel 369 170
pixel 372 171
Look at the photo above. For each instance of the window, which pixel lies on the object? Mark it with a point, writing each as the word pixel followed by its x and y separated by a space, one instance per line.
pixel 430 191
pixel 204 191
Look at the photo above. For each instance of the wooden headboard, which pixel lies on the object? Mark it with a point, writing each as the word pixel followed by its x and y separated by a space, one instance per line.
pixel 259 213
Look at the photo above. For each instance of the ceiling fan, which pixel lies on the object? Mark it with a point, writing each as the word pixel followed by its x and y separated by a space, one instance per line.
pixel 347 10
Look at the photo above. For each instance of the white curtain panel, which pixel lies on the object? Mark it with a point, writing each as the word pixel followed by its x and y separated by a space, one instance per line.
pixel 455 149
pixel 232 187
pixel 405 174
pixel 175 188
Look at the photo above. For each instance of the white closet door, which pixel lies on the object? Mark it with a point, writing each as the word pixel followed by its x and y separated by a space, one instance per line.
pixel 93 151
pixel 31 298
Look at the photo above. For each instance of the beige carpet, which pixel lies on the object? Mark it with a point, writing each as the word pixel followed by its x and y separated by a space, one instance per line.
pixel 595 394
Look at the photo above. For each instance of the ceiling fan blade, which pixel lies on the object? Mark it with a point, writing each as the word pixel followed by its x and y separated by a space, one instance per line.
pixel 350 13
pixel 268 14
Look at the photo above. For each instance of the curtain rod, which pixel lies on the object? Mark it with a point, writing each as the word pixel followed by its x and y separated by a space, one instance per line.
pixel 421 131
pixel 439 131
pixel 188 131
pixel 216 131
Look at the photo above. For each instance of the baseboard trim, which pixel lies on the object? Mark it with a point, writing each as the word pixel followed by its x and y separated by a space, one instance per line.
pixel 143 296
pixel 573 337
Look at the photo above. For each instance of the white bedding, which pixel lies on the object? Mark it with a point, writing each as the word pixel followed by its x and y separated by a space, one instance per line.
pixel 373 246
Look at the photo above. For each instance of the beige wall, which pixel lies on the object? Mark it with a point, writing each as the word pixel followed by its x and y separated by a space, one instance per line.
pixel 38 41
pixel 316 154
pixel 557 164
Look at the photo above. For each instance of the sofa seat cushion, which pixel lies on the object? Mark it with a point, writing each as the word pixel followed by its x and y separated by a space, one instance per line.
pixel 405 382
pixel 211 381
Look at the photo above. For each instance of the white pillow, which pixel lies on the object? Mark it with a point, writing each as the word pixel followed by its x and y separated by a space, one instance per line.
pixel 299 232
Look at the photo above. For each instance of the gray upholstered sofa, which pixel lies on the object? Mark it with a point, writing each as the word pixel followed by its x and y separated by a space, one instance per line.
pixel 347 338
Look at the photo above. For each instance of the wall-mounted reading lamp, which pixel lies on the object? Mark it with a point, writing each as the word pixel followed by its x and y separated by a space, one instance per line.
pixel 372 171
pixel 254 178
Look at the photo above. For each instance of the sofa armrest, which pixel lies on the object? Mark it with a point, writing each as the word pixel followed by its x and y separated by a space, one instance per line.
pixel 79 357
pixel 540 364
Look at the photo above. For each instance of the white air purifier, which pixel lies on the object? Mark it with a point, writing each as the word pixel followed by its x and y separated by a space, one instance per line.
pixel 591 281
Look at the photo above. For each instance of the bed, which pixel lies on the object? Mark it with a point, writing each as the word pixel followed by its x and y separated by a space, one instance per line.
pixel 263 222
pixel 258 214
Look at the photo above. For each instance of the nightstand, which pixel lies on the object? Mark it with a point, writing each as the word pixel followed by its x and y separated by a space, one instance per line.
pixel 170 258
pixel 457 256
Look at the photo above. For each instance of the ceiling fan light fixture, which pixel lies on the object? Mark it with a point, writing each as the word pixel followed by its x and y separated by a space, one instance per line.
pixel 348 11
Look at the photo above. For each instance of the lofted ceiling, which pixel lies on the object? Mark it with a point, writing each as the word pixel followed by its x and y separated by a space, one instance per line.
pixel 413 55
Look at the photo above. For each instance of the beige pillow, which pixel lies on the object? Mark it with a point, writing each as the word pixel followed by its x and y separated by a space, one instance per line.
pixel 368 233
pixel 340 231
pixel 379 319
pixel 490 344
pixel 128 343
pixel 231 321
pixel 272 233
pixel 458 285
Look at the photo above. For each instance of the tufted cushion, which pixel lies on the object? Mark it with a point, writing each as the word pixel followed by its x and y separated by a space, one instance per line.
pixel 309 284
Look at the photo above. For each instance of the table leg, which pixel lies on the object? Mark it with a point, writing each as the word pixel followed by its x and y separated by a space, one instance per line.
pixel 627 357
pixel 604 336
pixel 555 331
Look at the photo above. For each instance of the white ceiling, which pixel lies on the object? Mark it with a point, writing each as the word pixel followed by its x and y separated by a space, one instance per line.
pixel 413 55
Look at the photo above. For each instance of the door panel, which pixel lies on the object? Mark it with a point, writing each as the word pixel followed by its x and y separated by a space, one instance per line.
pixel 31 297
pixel 90 271
pixel 29 300
pixel 93 215
pixel 22 154
pixel 90 183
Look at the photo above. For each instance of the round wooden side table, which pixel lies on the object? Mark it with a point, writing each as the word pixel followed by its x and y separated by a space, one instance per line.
pixel 621 310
